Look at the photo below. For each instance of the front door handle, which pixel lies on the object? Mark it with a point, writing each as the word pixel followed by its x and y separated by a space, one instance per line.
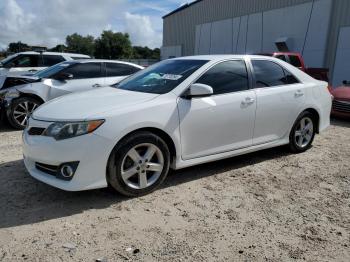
pixel 248 101
pixel 96 85
pixel 299 93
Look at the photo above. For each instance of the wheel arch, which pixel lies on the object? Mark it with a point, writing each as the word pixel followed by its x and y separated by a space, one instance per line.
pixel 22 95
pixel 159 132
pixel 316 115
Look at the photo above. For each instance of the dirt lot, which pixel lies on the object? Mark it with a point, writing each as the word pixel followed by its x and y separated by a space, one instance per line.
pixel 266 206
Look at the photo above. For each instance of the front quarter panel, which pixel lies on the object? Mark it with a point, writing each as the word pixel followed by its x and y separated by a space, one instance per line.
pixel 39 89
pixel 160 112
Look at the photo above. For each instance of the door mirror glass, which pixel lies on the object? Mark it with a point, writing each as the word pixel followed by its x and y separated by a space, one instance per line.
pixel 63 76
pixel 198 90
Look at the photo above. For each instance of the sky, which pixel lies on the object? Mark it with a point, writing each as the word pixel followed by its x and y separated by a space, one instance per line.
pixel 48 22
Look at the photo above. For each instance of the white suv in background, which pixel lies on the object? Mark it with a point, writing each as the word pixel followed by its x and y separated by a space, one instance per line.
pixel 30 62
pixel 23 94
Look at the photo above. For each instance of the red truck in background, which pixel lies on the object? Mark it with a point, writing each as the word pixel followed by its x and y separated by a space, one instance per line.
pixel 297 60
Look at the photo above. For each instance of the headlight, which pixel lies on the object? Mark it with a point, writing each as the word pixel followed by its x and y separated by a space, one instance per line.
pixel 65 130
pixel 12 94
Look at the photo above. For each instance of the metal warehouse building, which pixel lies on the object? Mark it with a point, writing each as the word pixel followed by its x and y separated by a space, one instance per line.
pixel 318 29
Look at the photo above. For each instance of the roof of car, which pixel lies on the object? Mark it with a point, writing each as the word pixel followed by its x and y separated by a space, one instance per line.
pixel 53 53
pixel 106 61
pixel 220 57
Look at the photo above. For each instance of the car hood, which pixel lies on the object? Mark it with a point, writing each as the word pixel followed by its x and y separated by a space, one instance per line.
pixel 342 93
pixel 11 81
pixel 83 105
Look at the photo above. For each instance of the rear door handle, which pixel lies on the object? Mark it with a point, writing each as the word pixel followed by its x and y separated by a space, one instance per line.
pixel 96 85
pixel 248 101
pixel 298 93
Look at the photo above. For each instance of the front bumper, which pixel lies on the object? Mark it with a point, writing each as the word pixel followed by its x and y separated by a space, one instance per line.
pixel 91 151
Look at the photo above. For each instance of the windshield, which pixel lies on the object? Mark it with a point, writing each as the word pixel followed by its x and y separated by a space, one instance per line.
pixel 7 59
pixel 162 77
pixel 52 70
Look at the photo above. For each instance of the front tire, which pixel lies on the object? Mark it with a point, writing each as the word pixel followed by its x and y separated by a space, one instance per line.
pixel 138 164
pixel 303 133
pixel 20 111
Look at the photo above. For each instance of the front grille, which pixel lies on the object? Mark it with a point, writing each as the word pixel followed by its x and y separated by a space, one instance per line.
pixel 36 131
pixel 48 169
pixel 341 106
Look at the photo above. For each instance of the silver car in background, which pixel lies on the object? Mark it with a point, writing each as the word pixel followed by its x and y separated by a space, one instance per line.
pixel 23 94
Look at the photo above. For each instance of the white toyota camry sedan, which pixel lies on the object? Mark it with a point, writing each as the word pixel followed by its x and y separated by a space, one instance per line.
pixel 177 113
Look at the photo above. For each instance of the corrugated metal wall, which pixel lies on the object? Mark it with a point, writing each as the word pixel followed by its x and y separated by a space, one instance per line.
pixel 179 28
pixel 340 17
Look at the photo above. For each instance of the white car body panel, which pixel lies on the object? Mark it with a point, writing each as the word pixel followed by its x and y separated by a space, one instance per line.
pixel 202 121
pixel 199 128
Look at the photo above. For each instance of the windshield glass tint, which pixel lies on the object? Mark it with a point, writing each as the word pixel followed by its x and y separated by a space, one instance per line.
pixel 52 70
pixel 162 77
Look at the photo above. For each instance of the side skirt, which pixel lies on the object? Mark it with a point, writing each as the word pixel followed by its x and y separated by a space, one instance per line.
pixel 201 160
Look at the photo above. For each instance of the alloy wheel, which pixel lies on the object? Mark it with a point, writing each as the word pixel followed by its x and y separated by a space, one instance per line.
pixel 22 112
pixel 142 166
pixel 304 132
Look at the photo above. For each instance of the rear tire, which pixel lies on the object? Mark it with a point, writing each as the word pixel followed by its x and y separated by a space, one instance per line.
pixel 20 111
pixel 138 164
pixel 303 133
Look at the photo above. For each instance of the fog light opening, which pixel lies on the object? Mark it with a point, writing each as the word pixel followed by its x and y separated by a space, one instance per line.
pixel 67 171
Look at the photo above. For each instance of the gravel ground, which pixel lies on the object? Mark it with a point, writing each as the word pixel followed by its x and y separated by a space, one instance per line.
pixel 265 206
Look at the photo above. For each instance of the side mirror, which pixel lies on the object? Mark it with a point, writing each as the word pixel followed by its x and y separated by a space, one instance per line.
pixel 198 90
pixel 63 76
pixel 346 82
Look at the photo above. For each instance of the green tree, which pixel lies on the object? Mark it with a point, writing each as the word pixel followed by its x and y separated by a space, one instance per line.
pixel 58 48
pixel 112 45
pixel 141 52
pixel 156 54
pixel 17 47
pixel 81 44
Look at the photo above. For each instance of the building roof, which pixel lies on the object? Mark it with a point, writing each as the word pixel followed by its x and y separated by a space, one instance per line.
pixel 182 8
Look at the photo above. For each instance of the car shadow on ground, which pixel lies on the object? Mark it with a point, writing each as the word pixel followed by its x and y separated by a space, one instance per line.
pixel 341 122
pixel 5 127
pixel 24 200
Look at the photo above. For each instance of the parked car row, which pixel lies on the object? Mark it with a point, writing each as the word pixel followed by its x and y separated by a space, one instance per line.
pixel 174 114
pixel 30 62
pixel 21 95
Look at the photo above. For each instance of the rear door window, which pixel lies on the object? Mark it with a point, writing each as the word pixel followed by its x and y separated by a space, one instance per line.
pixel 50 60
pixel 290 78
pixel 268 73
pixel 118 69
pixel 85 70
